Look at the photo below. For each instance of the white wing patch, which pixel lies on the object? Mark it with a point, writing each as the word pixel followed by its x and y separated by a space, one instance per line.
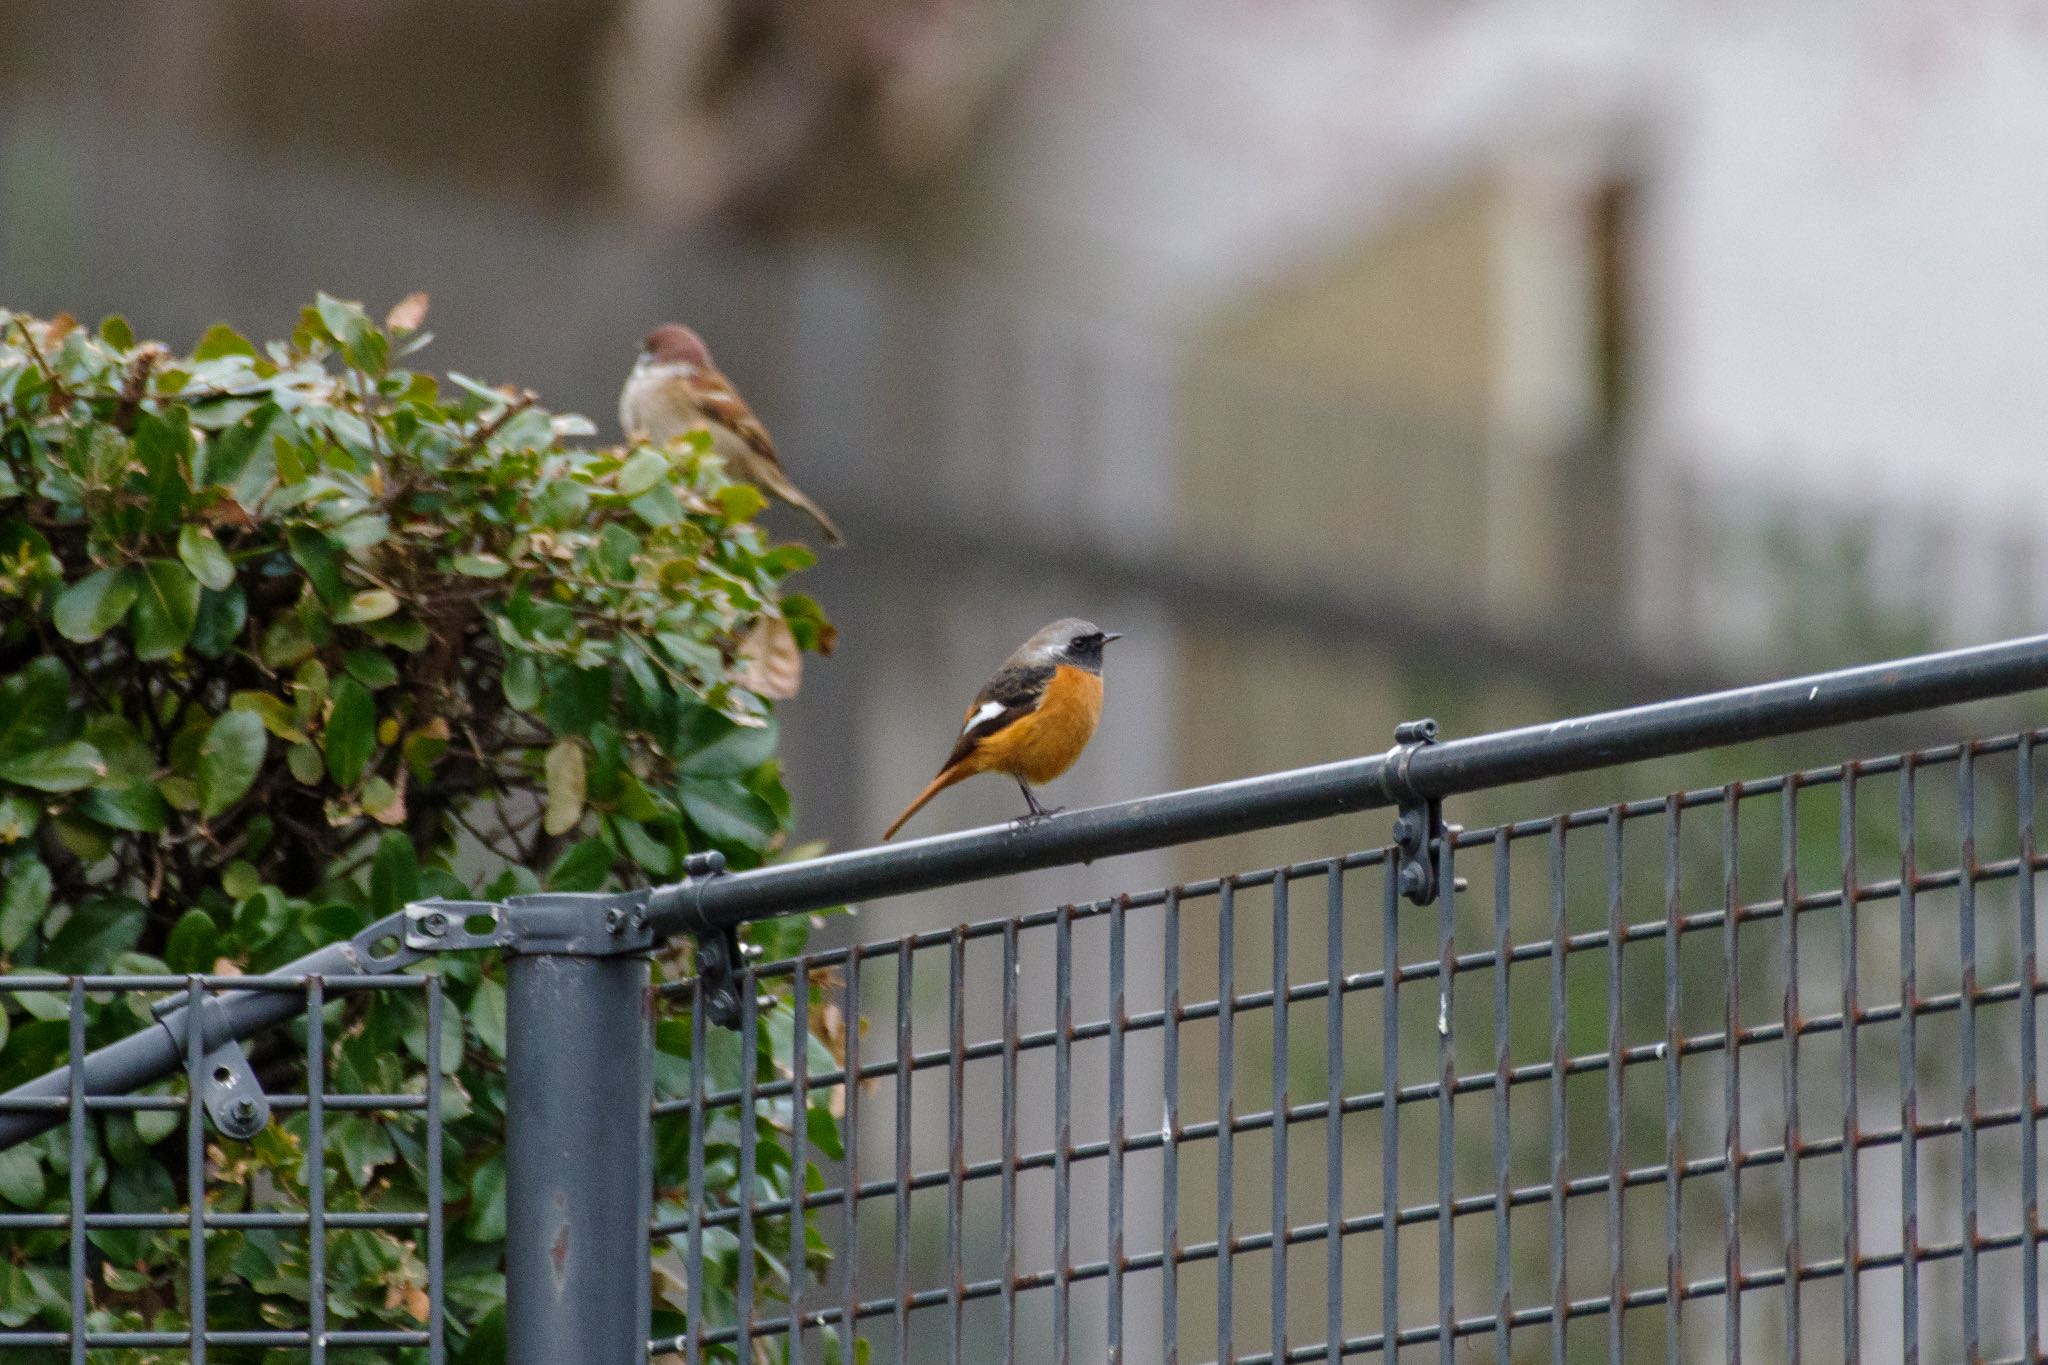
pixel 987 712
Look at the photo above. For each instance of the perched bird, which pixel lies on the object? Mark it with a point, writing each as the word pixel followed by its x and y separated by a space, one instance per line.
pixel 674 387
pixel 1034 717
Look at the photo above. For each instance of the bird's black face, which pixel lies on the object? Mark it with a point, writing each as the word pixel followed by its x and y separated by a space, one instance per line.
pixel 1085 649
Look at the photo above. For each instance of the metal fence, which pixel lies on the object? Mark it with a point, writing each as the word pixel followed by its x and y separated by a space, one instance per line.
pixel 1738 1073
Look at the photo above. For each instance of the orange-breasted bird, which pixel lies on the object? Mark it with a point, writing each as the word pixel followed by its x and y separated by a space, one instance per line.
pixel 674 387
pixel 1033 719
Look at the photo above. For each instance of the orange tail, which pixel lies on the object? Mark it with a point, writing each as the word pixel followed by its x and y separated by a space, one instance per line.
pixel 947 777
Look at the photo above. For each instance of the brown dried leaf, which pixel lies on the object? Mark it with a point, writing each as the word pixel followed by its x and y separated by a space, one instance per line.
pixel 771 665
pixel 408 313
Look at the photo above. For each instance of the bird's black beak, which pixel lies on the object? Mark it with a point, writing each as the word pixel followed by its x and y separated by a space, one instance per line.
pixel 1109 635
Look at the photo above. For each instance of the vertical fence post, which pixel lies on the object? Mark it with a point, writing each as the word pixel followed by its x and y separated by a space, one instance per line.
pixel 578 1163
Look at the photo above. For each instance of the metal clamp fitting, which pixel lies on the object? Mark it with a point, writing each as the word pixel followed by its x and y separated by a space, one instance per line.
pixel 1419 823
pixel 574 922
pixel 721 958
pixel 228 1088
pixel 231 1094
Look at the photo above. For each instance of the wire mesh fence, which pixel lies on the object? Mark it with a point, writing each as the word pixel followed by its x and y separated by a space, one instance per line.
pixel 1741 1073
pixel 282 1214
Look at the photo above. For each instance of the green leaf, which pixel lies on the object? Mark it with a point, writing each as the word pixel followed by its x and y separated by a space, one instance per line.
pixel 394 875
pixel 202 554
pixel 401 631
pixel 59 768
pixel 728 812
pixel 154 1125
pixel 21 1184
pixel 616 547
pixel 487 1016
pixel 24 899
pixel 276 715
pixel 321 560
pixel 305 764
pixel 522 682
pixel 136 808
pixel 481 566
pixel 193 944
pixel 740 501
pixel 577 699
pixel 89 608
pixel 97 932
pixel 17 1296
pixel 645 468
pixel 222 340
pixel 19 817
pixel 351 732
pixel 373 605
pixel 166 609
pixel 221 618
pixel 363 1146
pixel 562 504
pixel 115 331
pixel 583 868
pixel 229 761
pixel 33 705
pixel 486 1221
pixel 565 779
pixel 370 668
pixel 713 746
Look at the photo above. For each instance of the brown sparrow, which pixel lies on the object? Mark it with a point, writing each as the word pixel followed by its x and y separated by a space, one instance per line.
pixel 674 388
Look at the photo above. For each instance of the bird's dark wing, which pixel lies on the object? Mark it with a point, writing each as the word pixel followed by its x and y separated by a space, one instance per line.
pixel 720 402
pixel 1013 693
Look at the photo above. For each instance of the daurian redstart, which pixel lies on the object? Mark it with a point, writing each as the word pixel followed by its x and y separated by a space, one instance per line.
pixel 1033 719
pixel 674 387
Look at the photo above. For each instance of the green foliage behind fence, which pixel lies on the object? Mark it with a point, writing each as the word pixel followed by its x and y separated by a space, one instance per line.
pixel 289 636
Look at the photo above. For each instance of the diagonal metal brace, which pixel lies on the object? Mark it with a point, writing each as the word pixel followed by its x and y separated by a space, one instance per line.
pixel 1419 823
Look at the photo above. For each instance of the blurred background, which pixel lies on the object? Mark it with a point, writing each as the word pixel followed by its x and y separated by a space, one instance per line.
pixel 1491 361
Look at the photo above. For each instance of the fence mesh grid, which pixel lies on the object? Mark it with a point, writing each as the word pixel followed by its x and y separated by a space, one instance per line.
pixel 106 1149
pixel 1746 1073
pixel 1740 1073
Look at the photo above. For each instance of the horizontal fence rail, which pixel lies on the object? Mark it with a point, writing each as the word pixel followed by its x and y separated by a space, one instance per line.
pixel 1432 771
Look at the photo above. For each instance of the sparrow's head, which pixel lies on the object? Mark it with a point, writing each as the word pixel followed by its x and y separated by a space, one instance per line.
pixel 1071 641
pixel 674 344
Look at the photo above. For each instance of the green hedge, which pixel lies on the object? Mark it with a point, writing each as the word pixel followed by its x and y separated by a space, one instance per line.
pixel 291 635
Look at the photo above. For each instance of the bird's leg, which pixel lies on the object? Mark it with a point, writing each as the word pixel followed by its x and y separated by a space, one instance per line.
pixel 1038 812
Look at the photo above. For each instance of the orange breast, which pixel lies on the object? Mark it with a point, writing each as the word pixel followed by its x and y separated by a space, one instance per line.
pixel 1045 743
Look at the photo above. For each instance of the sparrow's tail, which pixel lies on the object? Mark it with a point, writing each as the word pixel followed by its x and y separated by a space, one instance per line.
pixel 947 777
pixel 797 498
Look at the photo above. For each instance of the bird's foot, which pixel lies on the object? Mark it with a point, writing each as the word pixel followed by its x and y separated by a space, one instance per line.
pixel 1038 816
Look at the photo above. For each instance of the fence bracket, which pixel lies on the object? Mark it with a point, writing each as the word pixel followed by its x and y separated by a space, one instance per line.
pixel 1419 823
pixel 721 957
pixel 575 923
pixel 231 1094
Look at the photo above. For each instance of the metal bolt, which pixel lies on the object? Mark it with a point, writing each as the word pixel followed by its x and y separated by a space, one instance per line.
pixel 639 919
pixel 1413 879
pixel 614 920
pixel 1404 830
pixel 435 924
pixel 243 1112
